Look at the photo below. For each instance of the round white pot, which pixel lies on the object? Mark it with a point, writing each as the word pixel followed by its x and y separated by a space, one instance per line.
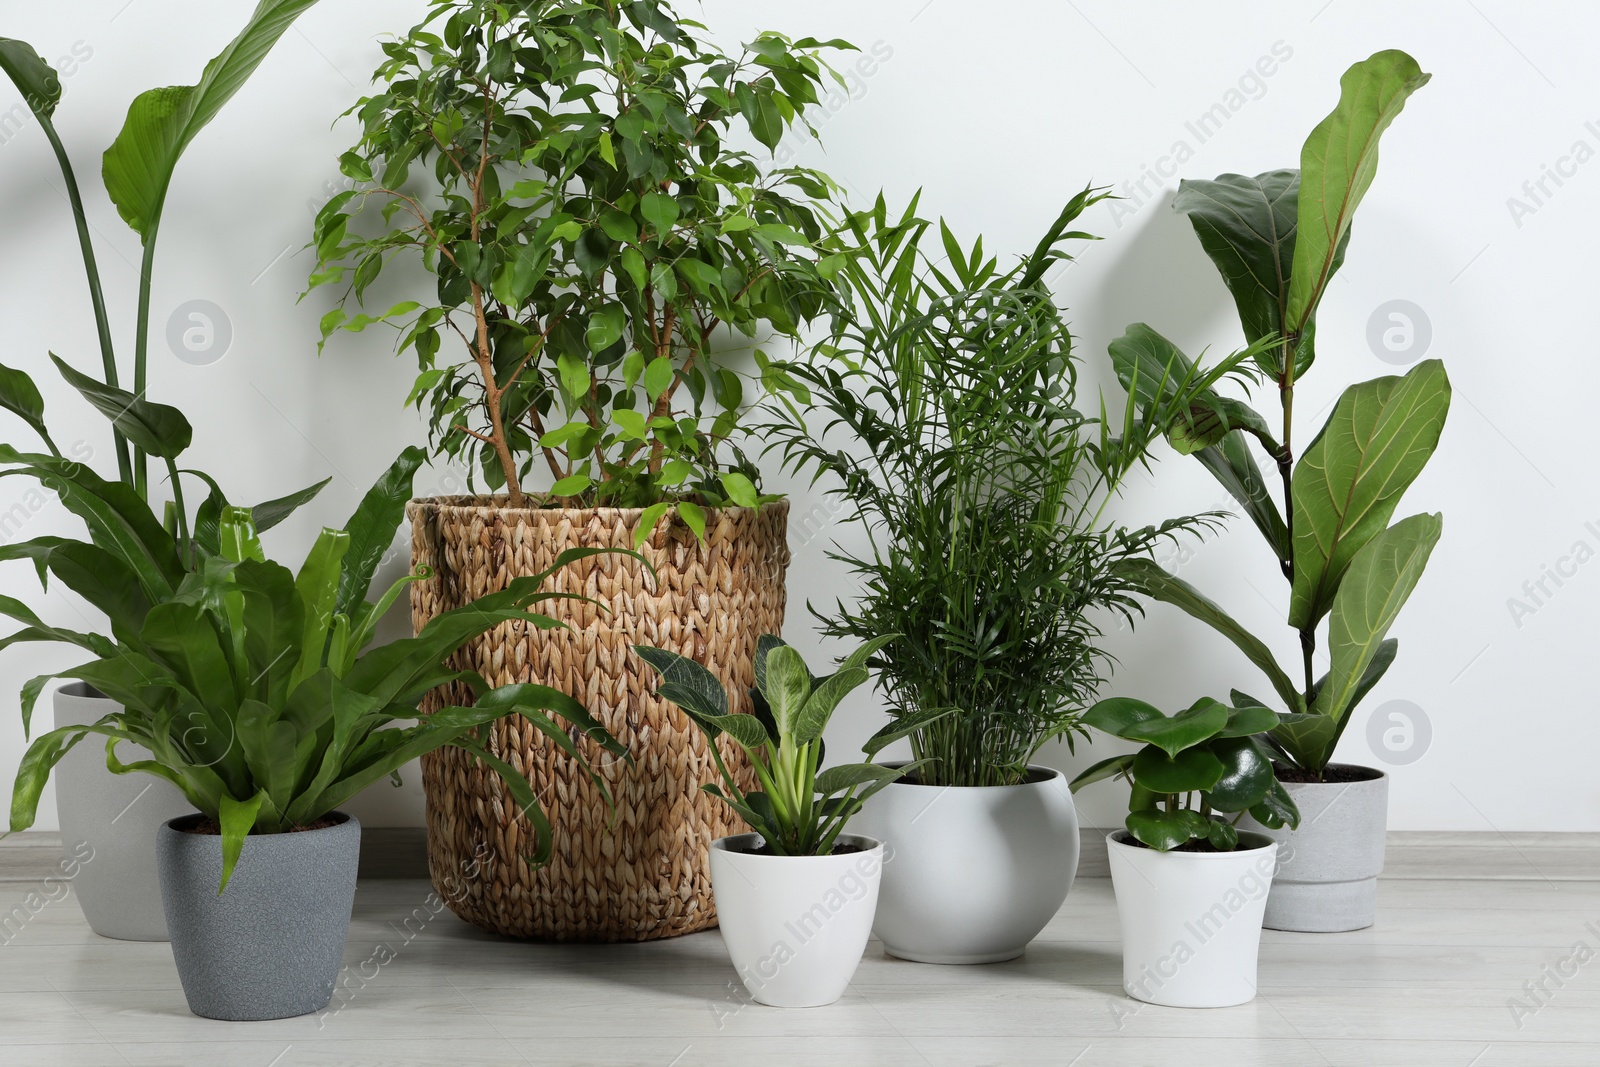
pixel 973 873
pixel 795 926
pixel 1328 869
pixel 1191 921
pixel 109 823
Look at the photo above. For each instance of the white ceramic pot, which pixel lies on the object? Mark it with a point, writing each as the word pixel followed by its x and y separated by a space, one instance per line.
pixel 795 926
pixel 973 873
pixel 1191 921
pixel 1327 879
pixel 109 824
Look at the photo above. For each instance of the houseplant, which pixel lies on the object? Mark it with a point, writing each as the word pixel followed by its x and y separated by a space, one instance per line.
pixel 796 897
pixel 253 691
pixel 116 818
pixel 1191 888
pixel 572 174
pixel 983 493
pixel 1348 569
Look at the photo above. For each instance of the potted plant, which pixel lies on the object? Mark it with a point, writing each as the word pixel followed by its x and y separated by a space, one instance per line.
pixel 112 818
pixel 1348 570
pixel 795 898
pixel 604 249
pixel 983 492
pixel 1191 888
pixel 253 691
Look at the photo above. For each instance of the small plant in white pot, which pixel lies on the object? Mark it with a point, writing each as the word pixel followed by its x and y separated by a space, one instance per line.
pixel 1191 888
pixel 796 898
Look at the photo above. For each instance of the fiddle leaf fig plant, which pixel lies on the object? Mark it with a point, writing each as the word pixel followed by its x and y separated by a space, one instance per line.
pixel 1196 769
pixel 800 810
pixel 575 176
pixel 1277 239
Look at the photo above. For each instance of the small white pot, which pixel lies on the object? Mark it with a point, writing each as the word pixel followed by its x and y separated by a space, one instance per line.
pixel 109 823
pixel 1191 921
pixel 973 872
pixel 795 926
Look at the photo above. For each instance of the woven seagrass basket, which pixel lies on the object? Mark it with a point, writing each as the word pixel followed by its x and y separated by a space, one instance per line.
pixel 644 874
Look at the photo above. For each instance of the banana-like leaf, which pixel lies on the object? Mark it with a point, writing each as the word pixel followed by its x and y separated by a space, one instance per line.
pixel 162 122
pixel 318 587
pixel 1147 577
pixel 160 430
pixel 105 581
pixel 37 80
pixel 1377 585
pixel 1337 166
pixel 271 512
pixel 273 620
pixel 1350 479
pixel 372 527
pixel 20 396
pixel 819 706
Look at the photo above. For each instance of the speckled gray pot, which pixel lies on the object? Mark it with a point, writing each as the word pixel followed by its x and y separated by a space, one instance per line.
pixel 269 947
pixel 109 823
pixel 1327 880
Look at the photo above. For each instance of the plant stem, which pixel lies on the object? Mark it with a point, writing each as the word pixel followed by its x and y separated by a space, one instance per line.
pixel 91 267
pixel 141 353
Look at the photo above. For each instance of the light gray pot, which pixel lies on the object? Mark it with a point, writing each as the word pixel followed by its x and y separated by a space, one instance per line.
pixel 269 947
pixel 109 823
pixel 1327 880
pixel 971 874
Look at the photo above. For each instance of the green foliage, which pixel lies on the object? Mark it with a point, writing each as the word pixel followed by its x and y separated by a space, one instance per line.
pixel 1277 239
pixel 256 689
pixel 800 811
pixel 595 229
pixel 981 486
pixel 1196 769
pixel 137 171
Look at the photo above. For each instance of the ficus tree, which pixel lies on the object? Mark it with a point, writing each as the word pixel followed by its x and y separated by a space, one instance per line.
pixel 1277 239
pixel 583 180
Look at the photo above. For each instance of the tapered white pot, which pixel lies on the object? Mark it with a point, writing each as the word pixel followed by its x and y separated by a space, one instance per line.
pixel 109 823
pixel 795 926
pixel 1327 881
pixel 973 873
pixel 1191 921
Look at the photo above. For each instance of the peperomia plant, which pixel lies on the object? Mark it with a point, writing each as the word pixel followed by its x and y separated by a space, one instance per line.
pixel 1196 769
pixel 254 687
pixel 572 173
pixel 137 171
pixel 800 811
pixel 1277 240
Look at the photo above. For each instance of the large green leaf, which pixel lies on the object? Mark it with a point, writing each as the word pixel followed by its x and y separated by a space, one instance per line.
pixel 819 706
pixel 37 80
pixel 1182 731
pixel 1380 580
pixel 162 122
pixel 1161 830
pixel 686 683
pixel 1246 776
pixel 788 687
pixel 20 396
pixel 1162 382
pixel 1337 165
pixel 1147 577
pixel 372 528
pixel 1190 771
pixel 1246 225
pixel 160 430
pixel 237 818
pixel 1350 480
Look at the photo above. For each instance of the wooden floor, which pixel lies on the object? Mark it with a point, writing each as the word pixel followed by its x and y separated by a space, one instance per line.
pixel 1434 984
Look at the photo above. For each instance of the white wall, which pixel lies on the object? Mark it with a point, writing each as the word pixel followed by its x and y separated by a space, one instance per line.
pixel 999 112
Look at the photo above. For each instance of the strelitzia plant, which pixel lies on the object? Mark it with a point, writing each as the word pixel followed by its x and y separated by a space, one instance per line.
pixel 253 686
pixel 1197 774
pixel 799 811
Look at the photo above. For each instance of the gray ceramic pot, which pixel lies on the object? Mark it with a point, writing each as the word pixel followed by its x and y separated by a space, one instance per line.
pixel 1327 880
pixel 269 947
pixel 109 823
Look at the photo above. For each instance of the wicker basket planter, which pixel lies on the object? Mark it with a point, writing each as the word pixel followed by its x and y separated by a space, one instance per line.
pixel 645 874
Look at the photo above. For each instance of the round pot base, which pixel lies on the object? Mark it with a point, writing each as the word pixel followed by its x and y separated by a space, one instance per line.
pixel 953 960
pixel 1322 907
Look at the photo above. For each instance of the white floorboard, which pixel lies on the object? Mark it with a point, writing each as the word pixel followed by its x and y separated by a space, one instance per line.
pixel 1427 987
